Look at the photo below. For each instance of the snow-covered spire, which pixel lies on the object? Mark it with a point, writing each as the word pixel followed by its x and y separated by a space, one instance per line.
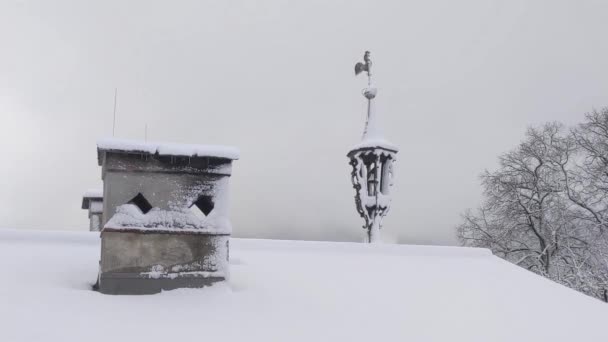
pixel 372 134
pixel 372 161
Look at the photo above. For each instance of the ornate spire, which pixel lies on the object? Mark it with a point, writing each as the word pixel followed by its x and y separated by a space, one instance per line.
pixel 372 161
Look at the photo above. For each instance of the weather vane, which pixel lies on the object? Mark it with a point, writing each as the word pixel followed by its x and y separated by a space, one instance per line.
pixel 366 66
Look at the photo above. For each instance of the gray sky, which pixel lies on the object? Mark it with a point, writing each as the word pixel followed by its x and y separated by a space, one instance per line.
pixel 459 81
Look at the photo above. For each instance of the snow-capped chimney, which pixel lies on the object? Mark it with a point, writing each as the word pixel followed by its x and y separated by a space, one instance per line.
pixel 92 201
pixel 165 215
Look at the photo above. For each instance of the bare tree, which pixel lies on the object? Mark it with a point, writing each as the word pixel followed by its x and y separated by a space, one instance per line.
pixel 515 216
pixel 587 188
pixel 588 182
pixel 539 214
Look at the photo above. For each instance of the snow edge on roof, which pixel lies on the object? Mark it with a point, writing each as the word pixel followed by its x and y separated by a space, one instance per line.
pixel 375 143
pixel 167 148
pixel 93 193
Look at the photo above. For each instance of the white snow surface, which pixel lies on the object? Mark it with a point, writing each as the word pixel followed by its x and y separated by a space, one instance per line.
pixel 372 134
pixel 93 193
pixel 168 149
pixel 375 143
pixel 292 291
pixel 128 216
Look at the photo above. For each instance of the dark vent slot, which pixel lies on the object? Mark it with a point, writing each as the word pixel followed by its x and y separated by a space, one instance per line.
pixel 204 203
pixel 141 202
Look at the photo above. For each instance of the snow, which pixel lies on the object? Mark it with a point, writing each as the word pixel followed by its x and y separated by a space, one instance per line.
pixel 162 273
pixel 292 291
pixel 168 149
pixel 91 199
pixel 370 92
pixel 375 143
pixel 128 216
pixel 372 134
pixel 93 193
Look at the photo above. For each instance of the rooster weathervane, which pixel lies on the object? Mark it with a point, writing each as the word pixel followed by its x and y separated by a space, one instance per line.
pixel 366 66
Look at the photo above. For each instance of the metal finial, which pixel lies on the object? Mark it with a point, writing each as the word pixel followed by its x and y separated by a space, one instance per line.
pixel 365 66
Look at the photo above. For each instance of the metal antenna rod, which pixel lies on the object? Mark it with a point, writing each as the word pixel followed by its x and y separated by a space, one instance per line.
pixel 114 120
pixel 146 133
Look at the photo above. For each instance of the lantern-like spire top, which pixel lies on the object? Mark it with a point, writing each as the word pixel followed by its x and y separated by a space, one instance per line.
pixel 372 161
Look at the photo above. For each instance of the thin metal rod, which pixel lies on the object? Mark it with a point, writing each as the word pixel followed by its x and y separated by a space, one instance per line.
pixel 114 120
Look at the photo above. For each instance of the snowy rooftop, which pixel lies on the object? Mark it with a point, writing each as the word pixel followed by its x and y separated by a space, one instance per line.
pixel 375 143
pixel 90 195
pixel 93 193
pixel 292 291
pixel 167 149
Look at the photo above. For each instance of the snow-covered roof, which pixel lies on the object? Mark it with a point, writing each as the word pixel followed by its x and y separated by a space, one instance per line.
pixel 293 291
pixel 372 135
pixel 91 194
pixel 167 149
pixel 375 143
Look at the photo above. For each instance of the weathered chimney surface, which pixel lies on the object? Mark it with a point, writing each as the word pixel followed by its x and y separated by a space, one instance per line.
pixel 165 215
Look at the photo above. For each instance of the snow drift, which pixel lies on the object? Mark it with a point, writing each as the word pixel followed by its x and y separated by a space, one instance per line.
pixel 292 291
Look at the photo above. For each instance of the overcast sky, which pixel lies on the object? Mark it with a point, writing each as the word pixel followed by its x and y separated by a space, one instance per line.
pixel 459 82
